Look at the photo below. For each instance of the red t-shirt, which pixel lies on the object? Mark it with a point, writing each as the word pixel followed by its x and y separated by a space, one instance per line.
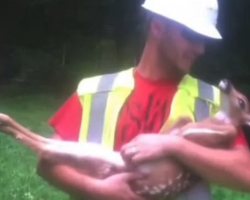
pixel 145 111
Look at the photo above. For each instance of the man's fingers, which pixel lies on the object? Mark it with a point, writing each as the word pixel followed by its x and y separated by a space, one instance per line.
pixel 128 153
pixel 142 157
pixel 126 146
pixel 137 159
pixel 130 144
pixel 134 196
pixel 131 176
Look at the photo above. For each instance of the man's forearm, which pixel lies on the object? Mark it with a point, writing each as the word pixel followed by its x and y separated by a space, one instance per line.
pixel 66 179
pixel 228 168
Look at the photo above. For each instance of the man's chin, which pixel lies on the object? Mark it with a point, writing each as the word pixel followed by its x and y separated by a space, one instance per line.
pixel 185 69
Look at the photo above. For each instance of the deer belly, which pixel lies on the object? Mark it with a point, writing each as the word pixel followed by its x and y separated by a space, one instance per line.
pixel 100 168
pixel 165 179
pixel 88 158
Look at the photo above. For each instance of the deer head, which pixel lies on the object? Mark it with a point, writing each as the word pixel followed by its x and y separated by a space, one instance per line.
pixel 234 104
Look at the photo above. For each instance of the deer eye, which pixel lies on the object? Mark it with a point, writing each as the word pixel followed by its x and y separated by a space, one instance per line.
pixel 241 103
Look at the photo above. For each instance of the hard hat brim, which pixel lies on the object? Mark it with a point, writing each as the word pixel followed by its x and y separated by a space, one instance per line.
pixel 207 30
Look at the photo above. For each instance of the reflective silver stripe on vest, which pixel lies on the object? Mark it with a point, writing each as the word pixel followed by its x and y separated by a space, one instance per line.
pixel 202 109
pixel 99 102
pixel 98 106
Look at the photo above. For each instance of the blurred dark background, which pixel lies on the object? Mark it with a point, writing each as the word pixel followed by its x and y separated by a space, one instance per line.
pixel 50 45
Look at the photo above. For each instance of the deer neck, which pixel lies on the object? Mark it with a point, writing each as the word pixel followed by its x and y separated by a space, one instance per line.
pixel 223 117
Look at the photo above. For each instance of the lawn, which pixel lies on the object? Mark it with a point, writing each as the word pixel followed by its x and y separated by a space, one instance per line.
pixel 18 179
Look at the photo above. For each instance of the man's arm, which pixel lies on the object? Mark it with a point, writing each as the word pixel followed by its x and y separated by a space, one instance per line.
pixel 228 168
pixel 66 179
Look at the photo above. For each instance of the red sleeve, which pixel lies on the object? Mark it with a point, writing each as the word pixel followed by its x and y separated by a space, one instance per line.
pixel 67 120
pixel 240 139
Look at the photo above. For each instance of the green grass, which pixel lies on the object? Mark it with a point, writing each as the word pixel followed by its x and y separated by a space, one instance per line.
pixel 18 179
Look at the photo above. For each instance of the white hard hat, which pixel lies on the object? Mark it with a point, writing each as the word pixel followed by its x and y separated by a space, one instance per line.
pixel 198 15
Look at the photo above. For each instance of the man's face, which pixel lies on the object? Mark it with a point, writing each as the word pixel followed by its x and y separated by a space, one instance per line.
pixel 179 46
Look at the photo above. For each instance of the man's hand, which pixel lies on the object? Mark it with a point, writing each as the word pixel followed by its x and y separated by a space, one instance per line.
pixel 149 146
pixel 116 187
pixel 80 186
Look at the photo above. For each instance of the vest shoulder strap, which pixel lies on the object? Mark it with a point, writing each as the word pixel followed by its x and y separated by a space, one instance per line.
pixel 106 82
pixel 207 96
pixel 200 89
pixel 102 105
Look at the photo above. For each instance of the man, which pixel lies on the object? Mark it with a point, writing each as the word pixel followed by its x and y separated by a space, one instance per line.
pixel 115 108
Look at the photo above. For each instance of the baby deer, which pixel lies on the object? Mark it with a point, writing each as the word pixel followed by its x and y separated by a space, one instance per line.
pixel 167 177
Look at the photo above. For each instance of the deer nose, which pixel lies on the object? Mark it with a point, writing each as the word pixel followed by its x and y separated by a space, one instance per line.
pixel 224 85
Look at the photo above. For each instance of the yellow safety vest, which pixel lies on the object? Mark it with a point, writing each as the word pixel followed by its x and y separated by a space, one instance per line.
pixel 102 97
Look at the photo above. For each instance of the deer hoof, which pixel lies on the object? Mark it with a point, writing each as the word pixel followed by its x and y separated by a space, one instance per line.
pixel 4 119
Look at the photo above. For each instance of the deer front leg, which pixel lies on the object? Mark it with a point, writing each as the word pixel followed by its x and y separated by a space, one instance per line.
pixel 84 156
pixel 37 146
pixel 87 158
pixel 47 148
pixel 214 136
pixel 34 145
pixel 6 120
